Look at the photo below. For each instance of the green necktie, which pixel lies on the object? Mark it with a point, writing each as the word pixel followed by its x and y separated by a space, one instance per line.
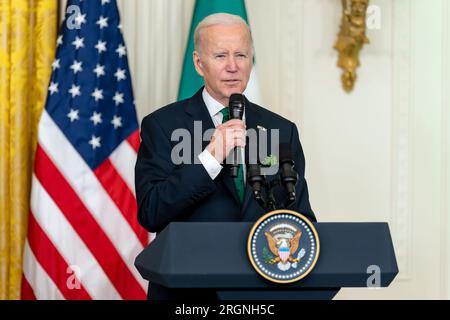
pixel 239 180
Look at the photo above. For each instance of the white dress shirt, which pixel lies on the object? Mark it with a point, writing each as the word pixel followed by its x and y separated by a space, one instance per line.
pixel 212 166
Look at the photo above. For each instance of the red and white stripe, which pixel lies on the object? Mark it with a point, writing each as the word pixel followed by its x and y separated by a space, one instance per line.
pixel 83 224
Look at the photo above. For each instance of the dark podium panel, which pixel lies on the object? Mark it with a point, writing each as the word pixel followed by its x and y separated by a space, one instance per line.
pixel 214 255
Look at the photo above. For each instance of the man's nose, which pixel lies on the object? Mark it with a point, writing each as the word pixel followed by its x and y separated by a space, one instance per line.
pixel 231 64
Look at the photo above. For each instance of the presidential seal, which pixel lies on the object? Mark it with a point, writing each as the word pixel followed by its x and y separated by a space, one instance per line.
pixel 283 246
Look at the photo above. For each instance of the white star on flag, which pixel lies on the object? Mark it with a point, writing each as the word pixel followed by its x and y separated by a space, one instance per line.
pixel 55 64
pixel 78 42
pixel 118 98
pixel 97 94
pixel 96 118
pixel 99 70
pixel 102 22
pixel 105 1
pixel 73 115
pixel 75 91
pixel 101 46
pixel 80 19
pixel 95 142
pixel 120 74
pixel 53 88
pixel 121 50
pixel 76 66
pixel 59 41
pixel 116 122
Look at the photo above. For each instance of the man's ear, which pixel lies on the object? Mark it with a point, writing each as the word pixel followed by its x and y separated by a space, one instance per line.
pixel 198 63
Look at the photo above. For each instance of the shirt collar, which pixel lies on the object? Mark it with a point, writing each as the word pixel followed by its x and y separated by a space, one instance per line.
pixel 212 104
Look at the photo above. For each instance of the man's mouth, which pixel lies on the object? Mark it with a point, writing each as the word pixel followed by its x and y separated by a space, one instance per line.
pixel 232 81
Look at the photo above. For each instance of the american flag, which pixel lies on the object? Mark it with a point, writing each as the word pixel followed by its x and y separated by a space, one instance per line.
pixel 83 234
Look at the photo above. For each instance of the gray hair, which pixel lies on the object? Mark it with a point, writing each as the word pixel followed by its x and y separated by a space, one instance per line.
pixel 219 19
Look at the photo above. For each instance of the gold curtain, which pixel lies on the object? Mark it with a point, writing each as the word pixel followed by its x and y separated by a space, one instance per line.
pixel 28 30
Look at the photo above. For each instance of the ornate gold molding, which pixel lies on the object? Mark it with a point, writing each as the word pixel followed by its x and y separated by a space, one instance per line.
pixel 351 39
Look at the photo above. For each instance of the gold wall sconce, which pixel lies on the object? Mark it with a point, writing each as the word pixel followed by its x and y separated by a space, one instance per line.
pixel 351 39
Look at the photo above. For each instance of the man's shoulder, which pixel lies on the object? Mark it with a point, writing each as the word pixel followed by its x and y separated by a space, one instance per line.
pixel 168 113
pixel 272 116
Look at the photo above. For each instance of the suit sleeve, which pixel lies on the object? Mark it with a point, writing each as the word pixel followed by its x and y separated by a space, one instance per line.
pixel 301 203
pixel 165 191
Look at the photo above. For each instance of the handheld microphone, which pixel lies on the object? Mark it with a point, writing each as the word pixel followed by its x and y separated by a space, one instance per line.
pixel 288 175
pixel 237 106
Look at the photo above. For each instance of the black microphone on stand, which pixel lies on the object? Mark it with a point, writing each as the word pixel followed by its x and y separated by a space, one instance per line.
pixel 288 175
pixel 237 106
pixel 257 181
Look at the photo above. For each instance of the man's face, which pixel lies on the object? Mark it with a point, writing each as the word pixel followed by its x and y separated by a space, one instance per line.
pixel 224 60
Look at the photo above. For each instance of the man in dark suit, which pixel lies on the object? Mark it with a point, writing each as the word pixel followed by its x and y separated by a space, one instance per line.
pixel 201 188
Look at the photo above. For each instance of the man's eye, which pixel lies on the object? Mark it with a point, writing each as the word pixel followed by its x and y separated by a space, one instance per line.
pixel 220 56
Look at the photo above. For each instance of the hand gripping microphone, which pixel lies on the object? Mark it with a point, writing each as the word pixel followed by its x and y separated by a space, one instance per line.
pixel 237 106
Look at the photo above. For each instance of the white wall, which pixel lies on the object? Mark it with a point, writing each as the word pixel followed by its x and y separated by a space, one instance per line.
pixel 378 154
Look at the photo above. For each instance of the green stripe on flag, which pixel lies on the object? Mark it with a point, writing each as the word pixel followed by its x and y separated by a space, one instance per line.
pixel 190 81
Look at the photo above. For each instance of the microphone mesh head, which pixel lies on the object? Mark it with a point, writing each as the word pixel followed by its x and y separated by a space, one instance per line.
pixel 236 105
pixel 236 98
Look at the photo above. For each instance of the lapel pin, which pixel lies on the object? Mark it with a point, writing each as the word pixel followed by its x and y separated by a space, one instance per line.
pixel 261 128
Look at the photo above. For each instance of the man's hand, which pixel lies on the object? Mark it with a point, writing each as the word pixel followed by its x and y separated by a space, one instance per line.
pixel 227 136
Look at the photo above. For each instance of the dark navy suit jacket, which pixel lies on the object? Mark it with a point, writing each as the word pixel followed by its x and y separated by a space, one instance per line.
pixel 169 192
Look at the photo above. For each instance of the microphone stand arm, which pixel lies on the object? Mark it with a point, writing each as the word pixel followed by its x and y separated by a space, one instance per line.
pixel 271 202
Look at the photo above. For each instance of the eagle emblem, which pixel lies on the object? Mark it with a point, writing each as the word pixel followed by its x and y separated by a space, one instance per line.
pixel 283 241
pixel 283 248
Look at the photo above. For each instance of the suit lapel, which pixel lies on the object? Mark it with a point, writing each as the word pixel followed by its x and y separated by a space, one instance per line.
pixel 198 111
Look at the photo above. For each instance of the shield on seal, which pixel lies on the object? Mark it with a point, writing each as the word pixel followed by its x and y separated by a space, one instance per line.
pixel 283 253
